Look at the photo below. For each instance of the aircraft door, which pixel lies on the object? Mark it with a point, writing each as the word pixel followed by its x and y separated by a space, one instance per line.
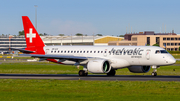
pixel 148 51
pixel 47 51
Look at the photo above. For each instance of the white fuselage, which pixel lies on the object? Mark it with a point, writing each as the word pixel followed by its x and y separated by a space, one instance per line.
pixel 119 56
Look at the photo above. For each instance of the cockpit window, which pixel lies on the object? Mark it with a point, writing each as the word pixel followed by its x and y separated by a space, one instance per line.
pixel 161 51
pixel 158 51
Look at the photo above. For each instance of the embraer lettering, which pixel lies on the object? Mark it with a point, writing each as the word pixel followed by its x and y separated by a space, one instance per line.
pixel 126 51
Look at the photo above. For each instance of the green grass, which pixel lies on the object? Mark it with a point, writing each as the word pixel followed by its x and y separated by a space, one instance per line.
pixel 37 68
pixel 78 90
pixel 52 68
pixel 176 56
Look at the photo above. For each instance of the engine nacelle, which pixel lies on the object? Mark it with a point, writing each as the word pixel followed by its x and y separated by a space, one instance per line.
pixel 139 69
pixel 99 66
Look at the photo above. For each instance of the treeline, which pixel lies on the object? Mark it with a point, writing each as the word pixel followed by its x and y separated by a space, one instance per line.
pixel 45 34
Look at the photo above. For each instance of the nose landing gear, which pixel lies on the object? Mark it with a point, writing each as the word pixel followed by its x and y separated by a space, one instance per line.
pixel 154 73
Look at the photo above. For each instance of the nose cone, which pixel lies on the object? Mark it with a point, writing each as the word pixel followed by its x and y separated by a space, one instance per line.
pixel 172 61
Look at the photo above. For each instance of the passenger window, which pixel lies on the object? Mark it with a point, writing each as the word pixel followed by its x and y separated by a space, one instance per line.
pixel 61 51
pixel 51 51
pixel 90 51
pixel 101 51
pixel 94 51
pixel 71 51
pixel 68 51
pixel 58 51
pixel 74 51
pixel 54 51
pixel 87 51
pixel 98 51
pixel 77 51
pixel 84 51
pixel 104 51
pixel 64 51
pixel 80 51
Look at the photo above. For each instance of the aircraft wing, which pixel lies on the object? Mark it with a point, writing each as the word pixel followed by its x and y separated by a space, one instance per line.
pixel 68 57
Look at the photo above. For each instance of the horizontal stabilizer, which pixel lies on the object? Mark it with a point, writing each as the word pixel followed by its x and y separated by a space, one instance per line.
pixel 23 50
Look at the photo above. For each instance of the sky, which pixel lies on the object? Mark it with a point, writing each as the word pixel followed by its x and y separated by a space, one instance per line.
pixel 107 17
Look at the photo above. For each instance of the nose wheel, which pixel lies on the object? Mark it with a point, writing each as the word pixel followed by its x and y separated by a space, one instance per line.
pixel 154 73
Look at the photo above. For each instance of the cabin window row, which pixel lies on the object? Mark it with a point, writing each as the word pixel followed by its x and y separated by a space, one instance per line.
pixel 78 51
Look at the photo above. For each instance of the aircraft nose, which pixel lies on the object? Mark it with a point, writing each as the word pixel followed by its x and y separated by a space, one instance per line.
pixel 172 61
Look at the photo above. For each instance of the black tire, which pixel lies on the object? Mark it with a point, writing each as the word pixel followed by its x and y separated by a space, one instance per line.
pixel 112 72
pixel 154 74
pixel 81 73
pixel 86 74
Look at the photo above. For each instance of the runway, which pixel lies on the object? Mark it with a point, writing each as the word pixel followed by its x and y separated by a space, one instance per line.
pixel 90 77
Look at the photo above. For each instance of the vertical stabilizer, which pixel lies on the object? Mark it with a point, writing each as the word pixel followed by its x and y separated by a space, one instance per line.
pixel 33 40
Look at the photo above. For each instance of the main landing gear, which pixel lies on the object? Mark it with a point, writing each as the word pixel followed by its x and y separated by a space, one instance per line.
pixel 111 73
pixel 154 73
pixel 83 73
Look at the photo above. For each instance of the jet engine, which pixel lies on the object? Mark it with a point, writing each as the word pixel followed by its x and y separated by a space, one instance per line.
pixel 139 69
pixel 99 66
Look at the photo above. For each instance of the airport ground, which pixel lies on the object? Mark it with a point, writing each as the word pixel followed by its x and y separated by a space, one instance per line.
pixel 51 89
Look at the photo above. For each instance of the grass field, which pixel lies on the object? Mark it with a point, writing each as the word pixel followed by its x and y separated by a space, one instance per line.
pixel 80 90
pixel 52 68
pixel 176 56
pixel 66 90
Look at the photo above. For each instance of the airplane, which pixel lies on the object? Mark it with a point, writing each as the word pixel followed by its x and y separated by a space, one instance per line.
pixel 96 59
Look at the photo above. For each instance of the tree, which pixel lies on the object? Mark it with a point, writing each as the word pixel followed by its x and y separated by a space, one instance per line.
pixel 79 34
pixel 61 34
pixel 121 35
pixel 179 48
pixel 40 34
pixel 45 34
pixel 99 34
pixel 156 45
pixel 21 32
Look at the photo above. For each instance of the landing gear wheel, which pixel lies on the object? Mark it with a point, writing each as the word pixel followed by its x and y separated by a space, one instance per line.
pixel 86 74
pixel 112 72
pixel 82 73
pixel 154 73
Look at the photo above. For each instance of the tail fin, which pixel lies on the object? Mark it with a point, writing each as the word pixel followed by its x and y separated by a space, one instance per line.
pixel 33 40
